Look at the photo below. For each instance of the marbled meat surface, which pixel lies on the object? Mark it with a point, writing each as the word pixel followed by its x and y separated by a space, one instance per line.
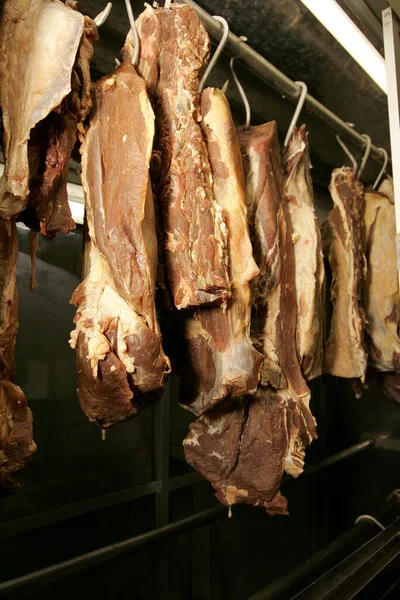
pixel 121 363
pixel 174 47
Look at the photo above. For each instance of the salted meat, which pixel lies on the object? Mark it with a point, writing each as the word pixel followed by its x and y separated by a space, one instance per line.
pixel 240 447
pixel 16 442
pixel 309 262
pixel 219 358
pixel 274 315
pixel 345 352
pixel 51 144
pixel 174 46
pixel 381 288
pixel 38 45
pixel 121 363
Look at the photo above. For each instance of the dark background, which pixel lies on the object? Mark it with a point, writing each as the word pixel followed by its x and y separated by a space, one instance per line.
pixel 74 472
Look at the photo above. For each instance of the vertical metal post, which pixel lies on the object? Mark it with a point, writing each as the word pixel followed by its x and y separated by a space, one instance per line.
pixel 161 436
pixel 391 38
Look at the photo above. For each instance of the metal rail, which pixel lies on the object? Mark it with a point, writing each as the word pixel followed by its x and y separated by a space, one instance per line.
pixel 84 561
pixel 282 84
pixel 288 585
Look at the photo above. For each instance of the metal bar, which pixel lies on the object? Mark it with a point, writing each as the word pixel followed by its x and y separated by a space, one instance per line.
pixel 10 528
pixel 366 18
pixel 286 586
pixel 387 443
pixel 108 552
pixel 268 73
pixel 336 458
pixel 371 569
pixel 33 580
pixel 391 40
pixel 329 583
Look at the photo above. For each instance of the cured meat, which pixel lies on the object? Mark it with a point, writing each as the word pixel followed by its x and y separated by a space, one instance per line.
pixel 31 86
pixel 240 448
pixel 309 262
pixel 381 289
pixel 50 148
pixel 345 353
pixel 220 358
pixel 16 443
pixel 51 144
pixel 174 47
pixel 274 290
pixel 120 360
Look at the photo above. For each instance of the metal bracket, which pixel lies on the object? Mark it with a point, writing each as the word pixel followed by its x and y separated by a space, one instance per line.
pixel 391 38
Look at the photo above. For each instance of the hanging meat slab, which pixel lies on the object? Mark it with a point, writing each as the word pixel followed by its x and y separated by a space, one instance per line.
pixel 274 315
pixel 38 45
pixel 309 262
pixel 174 47
pixel 219 358
pixel 345 352
pixel 240 448
pixel 51 144
pixel 16 442
pixel 381 288
pixel 120 359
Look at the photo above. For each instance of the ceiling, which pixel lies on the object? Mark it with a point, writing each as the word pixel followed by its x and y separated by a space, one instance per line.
pixel 289 36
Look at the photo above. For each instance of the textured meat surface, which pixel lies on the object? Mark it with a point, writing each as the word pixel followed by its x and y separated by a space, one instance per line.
pixel 345 353
pixel 381 289
pixel 221 359
pixel 38 44
pixel 274 316
pixel 51 144
pixel 240 448
pixel 309 262
pixel 16 443
pixel 50 148
pixel 174 47
pixel 121 363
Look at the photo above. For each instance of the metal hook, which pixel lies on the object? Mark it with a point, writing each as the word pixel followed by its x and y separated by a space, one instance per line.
pixel 381 172
pixel 136 42
pixel 298 110
pixel 217 52
pixel 103 16
pixel 394 493
pixel 362 518
pixel 347 151
pixel 167 4
pixel 240 88
pixel 366 155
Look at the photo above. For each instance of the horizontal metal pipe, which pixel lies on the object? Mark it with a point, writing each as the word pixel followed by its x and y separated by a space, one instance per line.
pixel 333 580
pixel 282 84
pixel 62 569
pixel 49 574
pixel 288 585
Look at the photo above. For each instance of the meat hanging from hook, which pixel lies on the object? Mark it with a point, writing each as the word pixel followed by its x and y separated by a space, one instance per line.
pixel 299 107
pixel 136 48
pixel 240 88
pixel 217 52
pixel 366 155
pixel 383 170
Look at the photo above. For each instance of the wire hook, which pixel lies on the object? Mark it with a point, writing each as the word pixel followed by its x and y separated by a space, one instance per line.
pixel 381 172
pixel 366 155
pixel 167 4
pixel 217 52
pixel 298 110
pixel 362 518
pixel 348 153
pixel 103 16
pixel 136 42
pixel 394 493
pixel 240 88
